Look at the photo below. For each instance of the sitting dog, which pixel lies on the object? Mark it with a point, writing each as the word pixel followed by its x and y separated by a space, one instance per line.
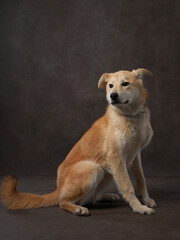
pixel 106 150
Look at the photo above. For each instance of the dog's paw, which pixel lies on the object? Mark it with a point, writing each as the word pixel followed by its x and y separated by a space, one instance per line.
pixel 149 202
pixel 110 197
pixel 81 211
pixel 143 210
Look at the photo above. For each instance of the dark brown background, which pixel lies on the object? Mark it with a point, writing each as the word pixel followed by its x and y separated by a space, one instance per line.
pixel 53 53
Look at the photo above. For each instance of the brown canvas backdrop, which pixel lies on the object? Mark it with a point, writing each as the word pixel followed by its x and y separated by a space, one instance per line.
pixel 53 53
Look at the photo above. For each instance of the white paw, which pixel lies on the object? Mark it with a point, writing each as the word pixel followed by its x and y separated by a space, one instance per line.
pixel 114 197
pixel 111 197
pixel 149 202
pixel 81 211
pixel 143 210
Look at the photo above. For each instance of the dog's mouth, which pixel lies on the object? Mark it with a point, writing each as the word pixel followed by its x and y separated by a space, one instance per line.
pixel 118 102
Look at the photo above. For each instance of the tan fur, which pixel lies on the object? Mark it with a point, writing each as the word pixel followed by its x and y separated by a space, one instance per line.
pixel 15 200
pixel 106 150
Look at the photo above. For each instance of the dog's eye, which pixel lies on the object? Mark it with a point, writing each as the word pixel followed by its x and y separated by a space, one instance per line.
pixel 124 84
pixel 110 85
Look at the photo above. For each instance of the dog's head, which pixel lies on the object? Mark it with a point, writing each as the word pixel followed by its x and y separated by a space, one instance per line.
pixel 124 89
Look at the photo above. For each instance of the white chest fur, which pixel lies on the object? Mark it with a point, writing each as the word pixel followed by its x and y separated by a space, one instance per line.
pixel 131 136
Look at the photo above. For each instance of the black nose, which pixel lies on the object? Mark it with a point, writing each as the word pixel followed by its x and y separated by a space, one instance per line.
pixel 114 96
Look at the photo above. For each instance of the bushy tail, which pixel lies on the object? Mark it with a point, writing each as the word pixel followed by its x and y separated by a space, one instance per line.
pixel 15 200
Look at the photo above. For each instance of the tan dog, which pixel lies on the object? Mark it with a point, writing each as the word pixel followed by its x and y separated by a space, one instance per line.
pixel 106 150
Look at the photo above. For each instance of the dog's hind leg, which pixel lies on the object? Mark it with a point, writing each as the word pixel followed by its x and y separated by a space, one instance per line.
pixel 109 197
pixel 73 208
pixel 79 185
pixel 101 194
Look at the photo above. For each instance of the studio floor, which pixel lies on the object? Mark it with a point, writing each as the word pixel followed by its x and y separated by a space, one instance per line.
pixel 107 220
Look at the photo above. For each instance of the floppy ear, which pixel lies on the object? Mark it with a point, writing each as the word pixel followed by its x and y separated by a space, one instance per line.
pixel 141 73
pixel 103 80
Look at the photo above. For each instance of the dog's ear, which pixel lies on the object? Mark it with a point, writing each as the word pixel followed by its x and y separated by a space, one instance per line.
pixel 103 80
pixel 141 73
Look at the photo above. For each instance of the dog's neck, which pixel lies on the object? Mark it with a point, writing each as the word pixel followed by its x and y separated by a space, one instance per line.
pixel 138 114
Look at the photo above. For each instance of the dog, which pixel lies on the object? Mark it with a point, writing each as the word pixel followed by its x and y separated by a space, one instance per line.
pixel 104 153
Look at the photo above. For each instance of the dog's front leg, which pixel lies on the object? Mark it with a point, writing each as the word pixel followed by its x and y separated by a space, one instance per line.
pixel 125 187
pixel 137 171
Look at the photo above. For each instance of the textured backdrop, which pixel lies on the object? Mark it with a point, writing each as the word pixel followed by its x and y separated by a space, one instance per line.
pixel 53 53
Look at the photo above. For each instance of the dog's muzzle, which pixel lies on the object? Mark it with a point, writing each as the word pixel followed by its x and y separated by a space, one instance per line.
pixel 115 100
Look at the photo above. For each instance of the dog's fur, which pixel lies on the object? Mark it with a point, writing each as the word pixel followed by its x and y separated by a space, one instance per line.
pixel 106 150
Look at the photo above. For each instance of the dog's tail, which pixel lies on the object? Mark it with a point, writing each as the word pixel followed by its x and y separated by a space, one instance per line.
pixel 15 200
